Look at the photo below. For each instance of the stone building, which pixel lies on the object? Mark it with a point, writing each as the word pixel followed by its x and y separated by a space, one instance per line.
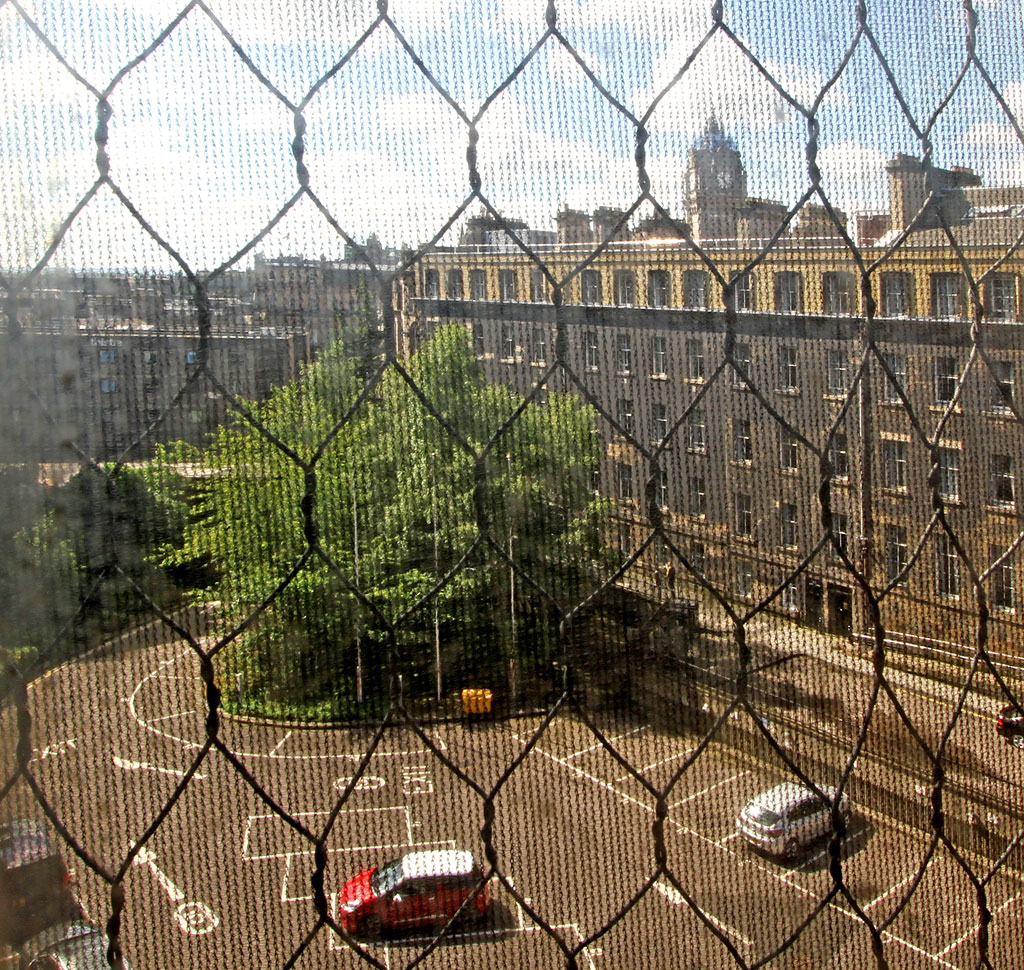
pixel 732 421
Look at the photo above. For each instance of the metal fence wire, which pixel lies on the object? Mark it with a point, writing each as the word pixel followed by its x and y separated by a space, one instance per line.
pixel 234 667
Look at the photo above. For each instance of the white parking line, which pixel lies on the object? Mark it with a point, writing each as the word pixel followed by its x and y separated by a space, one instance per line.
pixel 618 737
pixel 277 746
pixel 973 932
pixel 889 891
pixel 710 788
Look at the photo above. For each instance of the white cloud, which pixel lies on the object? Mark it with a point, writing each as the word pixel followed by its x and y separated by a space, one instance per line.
pixel 854 176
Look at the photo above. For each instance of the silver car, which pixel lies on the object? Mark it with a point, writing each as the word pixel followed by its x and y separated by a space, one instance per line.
pixel 789 817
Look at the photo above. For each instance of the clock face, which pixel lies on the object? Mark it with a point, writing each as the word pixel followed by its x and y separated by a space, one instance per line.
pixel 724 179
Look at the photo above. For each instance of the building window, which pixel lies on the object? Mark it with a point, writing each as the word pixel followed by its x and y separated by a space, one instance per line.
pixel 698 558
pixel 742 446
pixel 694 360
pixel 947 567
pixel 660 414
pixel 741 358
pixel 539 342
pixel 945 379
pixel 108 385
pixel 1001 467
pixel 624 479
pixel 663 489
pixel 895 553
pixel 789 597
pixel 432 284
pixel 537 287
pixel 744 515
pixel 698 496
pixel 946 298
pixel 789 455
pixel 1001 298
pixel 837 293
pixel 695 288
pixel 840 535
pixel 838 372
pixel 892 386
pixel 744 580
pixel 949 474
pixel 595 478
pixel 658 355
pixel 108 356
pixel 454 283
pixel 789 292
pixel 478 284
pixel 697 431
pixel 625 287
pixel 1002 387
pixel 839 456
pixel 191 356
pixel 508 285
pixel 478 338
pixel 744 292
pixel 624 353
pixel 659 291
pixel 1003 597
pixel 896 294
pixel 894 465
pixel 590 286
pixel 625 415
pixel 590 350
pixel 787 369
pixel 508 344
pixel 787 525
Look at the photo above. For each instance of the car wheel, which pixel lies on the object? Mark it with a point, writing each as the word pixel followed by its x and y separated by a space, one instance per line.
pixel 791 849
pixel 370 928
pixel 1018 741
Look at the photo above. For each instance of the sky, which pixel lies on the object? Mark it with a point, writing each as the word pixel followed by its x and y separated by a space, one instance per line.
pixel 202 146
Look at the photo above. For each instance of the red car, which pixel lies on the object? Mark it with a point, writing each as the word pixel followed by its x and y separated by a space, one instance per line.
pixel 1010 726
pixel 418 889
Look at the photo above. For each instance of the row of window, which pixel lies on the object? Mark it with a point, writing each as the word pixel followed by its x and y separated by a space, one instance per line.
pixel 945 376
pixel 896 547
pixel 948 291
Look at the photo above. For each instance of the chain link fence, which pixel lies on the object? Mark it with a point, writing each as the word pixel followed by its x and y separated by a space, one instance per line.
pixel 241 623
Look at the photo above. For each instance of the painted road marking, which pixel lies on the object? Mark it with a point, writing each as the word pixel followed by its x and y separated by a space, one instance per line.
pixel 57 748
pixel 594 747
pixel 126 765
pixel 416 780
pixel 710 788
pixel 675 897
pixel 194 918
pixel 365 783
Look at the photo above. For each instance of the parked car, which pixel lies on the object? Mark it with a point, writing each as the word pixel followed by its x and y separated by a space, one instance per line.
pixel 35 885
pixel 73 945
pixel 787 818
pixel 419 889
pixel 1010 725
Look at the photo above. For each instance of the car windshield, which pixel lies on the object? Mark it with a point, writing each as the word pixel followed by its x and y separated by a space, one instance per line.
pixel 386 878
pixel 762 815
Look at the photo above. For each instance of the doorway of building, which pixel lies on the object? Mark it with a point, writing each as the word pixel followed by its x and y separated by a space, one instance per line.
pixel 840 611
pixel 815 605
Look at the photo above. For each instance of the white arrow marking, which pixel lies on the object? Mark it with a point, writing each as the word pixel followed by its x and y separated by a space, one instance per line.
pixel 146 766
pixel 365 783
pixel 193 917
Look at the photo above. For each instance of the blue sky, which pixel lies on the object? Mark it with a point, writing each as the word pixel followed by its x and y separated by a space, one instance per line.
pixel 203 149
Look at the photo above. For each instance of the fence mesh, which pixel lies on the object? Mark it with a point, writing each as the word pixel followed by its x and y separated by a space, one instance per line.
pixel 389 527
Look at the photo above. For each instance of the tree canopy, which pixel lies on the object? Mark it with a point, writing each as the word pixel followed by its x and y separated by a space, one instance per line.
pixel 414 507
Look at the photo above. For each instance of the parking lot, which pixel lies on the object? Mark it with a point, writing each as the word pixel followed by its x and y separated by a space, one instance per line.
pixel 225 879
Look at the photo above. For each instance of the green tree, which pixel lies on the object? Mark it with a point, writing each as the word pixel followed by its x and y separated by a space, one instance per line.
pixel 398 495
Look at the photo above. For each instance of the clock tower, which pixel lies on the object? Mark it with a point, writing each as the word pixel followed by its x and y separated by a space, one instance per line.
pixel 716 185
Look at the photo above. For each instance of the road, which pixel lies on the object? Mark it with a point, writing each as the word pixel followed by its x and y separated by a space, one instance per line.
pixel 225 878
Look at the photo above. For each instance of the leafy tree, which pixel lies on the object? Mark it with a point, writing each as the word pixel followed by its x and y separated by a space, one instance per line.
pixel 399 496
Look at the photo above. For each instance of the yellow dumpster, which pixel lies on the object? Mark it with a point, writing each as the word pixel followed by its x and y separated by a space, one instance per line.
pixel 476 700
